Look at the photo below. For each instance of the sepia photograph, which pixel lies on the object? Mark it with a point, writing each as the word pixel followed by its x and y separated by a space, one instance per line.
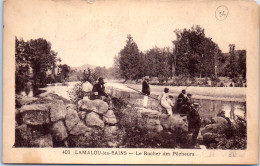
pixel 133 79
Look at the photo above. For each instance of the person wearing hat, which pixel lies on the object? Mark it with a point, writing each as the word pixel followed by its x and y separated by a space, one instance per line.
pixel 166 101
pixel 186 103
pixel 194 122
pixel 145 90
pixel 99 89
pixel 182 95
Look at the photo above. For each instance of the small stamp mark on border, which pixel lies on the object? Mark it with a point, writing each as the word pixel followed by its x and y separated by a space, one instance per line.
pixel 221 13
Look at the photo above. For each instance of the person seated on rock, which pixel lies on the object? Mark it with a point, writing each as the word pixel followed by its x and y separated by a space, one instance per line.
pixel 194 122
pixel 165 101
pixel 180 98
pixel 99 90
pixel 182 95
pixel 186 103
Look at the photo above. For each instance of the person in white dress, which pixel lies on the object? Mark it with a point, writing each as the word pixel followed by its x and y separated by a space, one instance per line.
pixel 165 101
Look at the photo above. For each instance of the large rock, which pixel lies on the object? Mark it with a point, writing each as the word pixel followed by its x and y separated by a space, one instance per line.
pixel 80 128
pixel 174 122
pixel 214 128
pixel 87 87
pixel 220 120
pixel 24 100
pixel 57 110
pixel 92 119
pixel 35 114
pixel 98 106
pixel 71 119
pixel 110 117
pixel 59 131
pixel 43 141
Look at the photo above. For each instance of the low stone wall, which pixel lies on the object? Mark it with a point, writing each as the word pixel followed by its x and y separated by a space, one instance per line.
pixel 49 122
pixel 209 107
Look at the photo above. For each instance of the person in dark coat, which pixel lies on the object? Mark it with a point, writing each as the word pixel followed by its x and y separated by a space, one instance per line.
pixel 182 94
pixel 194 122
pixel 180 99
pixel 145 90
pixel 99 89
pixel 186 103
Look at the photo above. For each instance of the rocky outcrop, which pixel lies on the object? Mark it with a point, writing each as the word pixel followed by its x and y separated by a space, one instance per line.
pixel 87 87
pixel 93 119
pixel 71 119
pixel 98 106
pixel 174 122
pixel 110 117
pixel 215 132
pixel 49 120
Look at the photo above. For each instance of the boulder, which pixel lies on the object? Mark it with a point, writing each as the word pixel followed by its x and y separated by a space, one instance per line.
pixel 71 119
pixel 174 122
pixel 80 128
pixel 110 117
pixel 59 131
pixel 98 106
pixel 35 114
pixel 92 119
pixel 87 87
pixel 43 141
pixel 24 100
pixel 57 110
pixel 214 128
pixel 220 120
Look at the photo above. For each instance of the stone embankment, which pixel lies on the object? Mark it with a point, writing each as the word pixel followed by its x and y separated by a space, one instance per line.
pixel 47 121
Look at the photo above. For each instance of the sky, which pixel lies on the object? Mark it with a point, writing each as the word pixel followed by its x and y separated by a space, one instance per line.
pixel 93 33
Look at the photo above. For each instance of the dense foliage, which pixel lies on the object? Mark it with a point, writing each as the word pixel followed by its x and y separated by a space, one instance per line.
pixel 36 62
pixel 193 54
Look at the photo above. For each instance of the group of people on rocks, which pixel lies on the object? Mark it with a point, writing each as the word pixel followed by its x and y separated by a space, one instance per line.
pixel 184 106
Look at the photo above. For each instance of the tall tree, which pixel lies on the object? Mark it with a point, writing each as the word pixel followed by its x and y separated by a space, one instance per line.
pixel 36 55
pixel 129 60
pixel 194 53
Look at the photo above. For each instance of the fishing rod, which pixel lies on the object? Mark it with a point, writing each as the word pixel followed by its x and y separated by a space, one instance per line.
pixel 151 97
pixel 141 92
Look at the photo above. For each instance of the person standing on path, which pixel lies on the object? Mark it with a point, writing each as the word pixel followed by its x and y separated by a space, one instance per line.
pixel 146 91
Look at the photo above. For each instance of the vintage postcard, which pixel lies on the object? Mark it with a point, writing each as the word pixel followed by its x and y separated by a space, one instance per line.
pixel 131 82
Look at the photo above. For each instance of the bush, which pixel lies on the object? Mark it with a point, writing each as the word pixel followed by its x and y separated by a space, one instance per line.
pixel 236 136
pixel 76 93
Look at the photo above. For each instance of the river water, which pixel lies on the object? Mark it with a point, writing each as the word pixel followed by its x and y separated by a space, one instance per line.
pixel 211 104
